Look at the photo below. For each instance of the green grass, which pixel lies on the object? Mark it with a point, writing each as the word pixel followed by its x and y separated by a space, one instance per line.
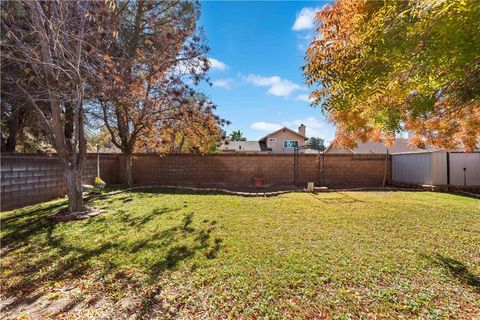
pixel 179 254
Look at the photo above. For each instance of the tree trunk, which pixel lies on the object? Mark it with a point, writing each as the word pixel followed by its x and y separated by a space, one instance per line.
pixel 182 142
pixel 13 125
pixel 74 190
pixel 127 176
pixel 10 143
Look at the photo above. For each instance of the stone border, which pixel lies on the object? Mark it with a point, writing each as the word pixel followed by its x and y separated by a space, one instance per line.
pixel 467 194
pixel 247 194
pixel 438 188
pixel 199 189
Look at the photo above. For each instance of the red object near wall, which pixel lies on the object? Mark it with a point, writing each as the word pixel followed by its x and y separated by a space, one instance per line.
pixel 258 182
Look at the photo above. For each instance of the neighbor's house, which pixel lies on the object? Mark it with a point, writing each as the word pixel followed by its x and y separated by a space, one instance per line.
pixel 283 140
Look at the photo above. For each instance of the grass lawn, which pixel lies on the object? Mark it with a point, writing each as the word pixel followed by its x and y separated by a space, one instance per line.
pixel 176 254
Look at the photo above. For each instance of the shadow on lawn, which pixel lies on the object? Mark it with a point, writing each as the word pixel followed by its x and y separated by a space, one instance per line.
pixel 54 259
pixel 152 192
pixel 19 228
pixel 456 269
pixel 329 199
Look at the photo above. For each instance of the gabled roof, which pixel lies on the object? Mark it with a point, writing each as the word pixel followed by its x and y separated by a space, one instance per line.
pixel 244 146
pixel 433 149
pixel 400 145
pixel 284 128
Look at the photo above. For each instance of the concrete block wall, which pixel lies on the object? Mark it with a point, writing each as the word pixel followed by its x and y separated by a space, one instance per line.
pixel 229 169
pixel 356 170
pixel 30 179
pixel 275 169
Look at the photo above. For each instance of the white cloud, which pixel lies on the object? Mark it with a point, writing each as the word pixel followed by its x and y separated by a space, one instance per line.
pixel 315 127
pixel 310 122
pixel 277 86
pixel 303 97
pixel 184 67
pixel 217 64
pixel 223 83
pixel 265 126
pixel 305 19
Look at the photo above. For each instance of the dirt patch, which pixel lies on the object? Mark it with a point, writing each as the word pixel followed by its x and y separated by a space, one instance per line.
pixel 63 302
pixel 64 216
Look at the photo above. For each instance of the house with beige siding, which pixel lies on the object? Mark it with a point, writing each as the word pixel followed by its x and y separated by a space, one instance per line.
pixel 283 140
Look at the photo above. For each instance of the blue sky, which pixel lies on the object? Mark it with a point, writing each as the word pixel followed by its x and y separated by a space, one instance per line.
pixel 256 52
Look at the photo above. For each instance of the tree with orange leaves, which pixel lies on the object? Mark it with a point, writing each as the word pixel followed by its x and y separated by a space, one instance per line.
pixel 383 67
pixel 190 125
pixel 158 45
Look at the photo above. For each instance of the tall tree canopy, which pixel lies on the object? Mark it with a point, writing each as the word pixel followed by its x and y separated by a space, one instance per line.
pixel 142 89
pixel 316 143
pixel 236 136
pixel 383 67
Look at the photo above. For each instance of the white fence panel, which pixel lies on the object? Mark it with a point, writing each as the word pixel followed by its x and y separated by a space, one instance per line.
pixel 471 175
pixel 412 168
pixel 439 168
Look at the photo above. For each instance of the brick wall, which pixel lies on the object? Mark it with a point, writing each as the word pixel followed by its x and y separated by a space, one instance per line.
pixel 275 169
pixel 356 170
pixel 30 179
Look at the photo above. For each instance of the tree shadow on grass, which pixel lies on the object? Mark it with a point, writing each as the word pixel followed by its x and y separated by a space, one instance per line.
pixel 57 259
pixel 139 222
pixel 457 270
pixel 19 228
pixel 152 192
pixel 335 199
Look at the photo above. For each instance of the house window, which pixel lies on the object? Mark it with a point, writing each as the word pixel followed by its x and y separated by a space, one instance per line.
pixel 290 143
pixel 272 140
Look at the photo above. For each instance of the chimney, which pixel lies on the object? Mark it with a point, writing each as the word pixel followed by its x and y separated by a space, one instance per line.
pixel 302 130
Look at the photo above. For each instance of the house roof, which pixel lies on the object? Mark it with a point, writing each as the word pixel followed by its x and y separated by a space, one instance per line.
pixel 244 146
pixel 400 145
pixel 310 151
pixel 432 149
pixel 284 128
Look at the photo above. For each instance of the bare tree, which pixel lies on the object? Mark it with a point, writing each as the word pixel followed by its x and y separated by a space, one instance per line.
pixel 56 43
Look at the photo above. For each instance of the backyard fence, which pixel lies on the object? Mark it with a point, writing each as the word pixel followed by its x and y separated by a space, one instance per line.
pixel 30 179
pixel 275 169
pixel 437 168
